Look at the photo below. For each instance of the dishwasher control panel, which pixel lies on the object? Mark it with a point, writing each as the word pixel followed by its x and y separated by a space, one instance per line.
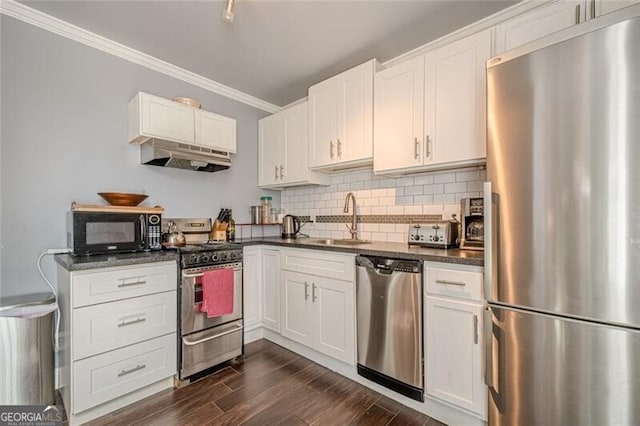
pixel 441 234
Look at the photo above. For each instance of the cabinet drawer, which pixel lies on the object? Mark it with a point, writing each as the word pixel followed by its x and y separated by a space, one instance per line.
pixel 453 283
pixel 110 375
pixel 314 262
pixel 122 283
pixel 108 326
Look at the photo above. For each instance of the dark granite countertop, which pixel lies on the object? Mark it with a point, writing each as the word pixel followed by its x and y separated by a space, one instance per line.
pixel 378 248
pixel 81 263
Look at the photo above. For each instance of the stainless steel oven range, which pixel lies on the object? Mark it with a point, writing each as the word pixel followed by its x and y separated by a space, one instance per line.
pixel 206 342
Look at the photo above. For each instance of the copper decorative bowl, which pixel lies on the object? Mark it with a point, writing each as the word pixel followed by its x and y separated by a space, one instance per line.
pixel 123 199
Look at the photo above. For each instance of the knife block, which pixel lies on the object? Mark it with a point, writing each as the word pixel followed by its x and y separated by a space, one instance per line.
pixel 219 232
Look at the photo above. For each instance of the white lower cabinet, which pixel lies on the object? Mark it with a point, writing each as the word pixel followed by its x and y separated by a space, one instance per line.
pixel 453 338
pixel 120 344
pixel 252 287
pixel 318 304
pixel 271 289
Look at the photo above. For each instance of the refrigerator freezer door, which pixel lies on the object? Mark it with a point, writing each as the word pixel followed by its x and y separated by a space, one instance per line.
pixel 553 371
pixel 564 164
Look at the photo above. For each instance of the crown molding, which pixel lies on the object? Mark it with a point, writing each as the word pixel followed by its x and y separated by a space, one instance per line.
pixel 57 26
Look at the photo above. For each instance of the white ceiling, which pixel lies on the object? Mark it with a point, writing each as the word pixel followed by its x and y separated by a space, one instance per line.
pixel 274 50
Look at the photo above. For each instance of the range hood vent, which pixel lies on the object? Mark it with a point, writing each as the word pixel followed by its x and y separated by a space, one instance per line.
pixel 177 155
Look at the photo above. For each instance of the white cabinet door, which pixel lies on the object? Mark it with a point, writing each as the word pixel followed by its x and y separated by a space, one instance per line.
pixel 399 115
pixel 455 98
pixel 538 23
pixel 602 7
pixel 296 154
pixel 323 116
pixel 271 289
pixel 166 119
pixel 333 318
pixel 251 286
pixel 355 115
pixel 453 353
pixel 296 304
pixel 215 131
pixel 270 149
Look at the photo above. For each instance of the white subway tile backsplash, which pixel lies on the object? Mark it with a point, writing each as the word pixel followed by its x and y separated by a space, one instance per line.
pixel 431 193
pixel 467 176
pixel 433 189
pixel 423 199
pixel 395 210
pixel 453 188
pixel 423 180
pixel 444 178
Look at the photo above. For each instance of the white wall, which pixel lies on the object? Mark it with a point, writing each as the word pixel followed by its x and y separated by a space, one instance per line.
pixel 64 138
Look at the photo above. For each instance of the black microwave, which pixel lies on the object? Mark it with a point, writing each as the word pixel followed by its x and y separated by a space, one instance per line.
pixel 100 232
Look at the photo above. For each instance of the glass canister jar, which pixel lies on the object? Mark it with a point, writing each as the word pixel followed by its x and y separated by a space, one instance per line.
pixel 266 208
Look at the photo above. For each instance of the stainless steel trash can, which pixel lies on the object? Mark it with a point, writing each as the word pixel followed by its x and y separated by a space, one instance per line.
pixel 26 349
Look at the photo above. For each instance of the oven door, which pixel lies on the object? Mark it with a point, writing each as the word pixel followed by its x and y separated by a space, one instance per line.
pixel 192 319
pixel 210 347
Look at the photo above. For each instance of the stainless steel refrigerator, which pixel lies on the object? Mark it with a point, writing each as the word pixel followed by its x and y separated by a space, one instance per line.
pixel 562 324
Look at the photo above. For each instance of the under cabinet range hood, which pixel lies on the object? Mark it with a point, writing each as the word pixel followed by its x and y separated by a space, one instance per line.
pixel 177 155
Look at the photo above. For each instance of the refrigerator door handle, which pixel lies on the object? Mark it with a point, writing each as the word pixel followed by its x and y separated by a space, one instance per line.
pixel 488 242
pixel 487 323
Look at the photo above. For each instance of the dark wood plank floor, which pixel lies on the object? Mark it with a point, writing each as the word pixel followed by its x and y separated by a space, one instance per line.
pixel 273 386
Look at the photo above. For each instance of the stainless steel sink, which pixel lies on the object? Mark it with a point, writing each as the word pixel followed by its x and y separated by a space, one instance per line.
pixel 332 242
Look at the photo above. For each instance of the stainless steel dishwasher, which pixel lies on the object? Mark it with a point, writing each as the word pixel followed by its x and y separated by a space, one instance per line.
pixel 389 311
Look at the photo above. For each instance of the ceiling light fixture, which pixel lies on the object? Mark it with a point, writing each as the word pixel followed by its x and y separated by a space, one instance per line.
pixel 227 12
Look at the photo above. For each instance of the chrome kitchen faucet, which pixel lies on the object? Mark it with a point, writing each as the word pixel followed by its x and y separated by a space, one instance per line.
pixel 353 229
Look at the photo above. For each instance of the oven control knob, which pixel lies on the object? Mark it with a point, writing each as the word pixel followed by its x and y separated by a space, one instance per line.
pixel 205 258
pixel 194 258
pixel 215 257
pixel 436 238
pixel 234 255
pixel 224 256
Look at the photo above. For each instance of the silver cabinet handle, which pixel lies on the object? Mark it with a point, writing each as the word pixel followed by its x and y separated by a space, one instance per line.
pixel 447 282
pixel 475 329
pixel 331 149
pixel 125 322
pixel 428 146
pixel 577 14
pixel 306 290
pixel 488 346
pixel 224 333
pixel 488 241
pixel 123 282
pixel 313 292
pixel 281 171
pixel 593 9
pixel 131 370
pixel 276 166
pixel 339 149
pixel 416 144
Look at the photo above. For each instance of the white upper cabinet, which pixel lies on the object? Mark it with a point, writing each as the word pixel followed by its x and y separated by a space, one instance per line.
pixel 283 150
pixel 341 119
pixel 538 23
pixel 430 111
pixel 153 117
pixel 215 131
pixel 399 103
pixel 455 101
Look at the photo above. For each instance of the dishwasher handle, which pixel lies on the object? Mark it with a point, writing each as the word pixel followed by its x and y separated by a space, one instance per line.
pixel 387 266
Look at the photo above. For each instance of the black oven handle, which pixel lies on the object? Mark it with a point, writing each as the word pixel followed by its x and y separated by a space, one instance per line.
pixel 143 231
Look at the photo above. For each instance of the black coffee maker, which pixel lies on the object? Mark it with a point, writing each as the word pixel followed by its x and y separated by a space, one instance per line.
pixel 472 212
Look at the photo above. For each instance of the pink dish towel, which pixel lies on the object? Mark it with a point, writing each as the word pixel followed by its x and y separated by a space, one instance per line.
pixel 217 292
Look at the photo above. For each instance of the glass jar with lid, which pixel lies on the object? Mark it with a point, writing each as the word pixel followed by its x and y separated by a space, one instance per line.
pixel 266 208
